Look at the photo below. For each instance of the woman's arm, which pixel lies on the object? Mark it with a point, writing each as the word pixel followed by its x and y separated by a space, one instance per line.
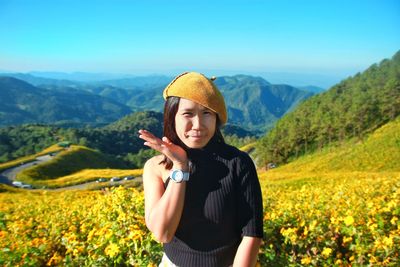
pixel 246 255
pixel 163 207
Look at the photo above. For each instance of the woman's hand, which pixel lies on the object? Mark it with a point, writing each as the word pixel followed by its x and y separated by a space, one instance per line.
pixel 175 153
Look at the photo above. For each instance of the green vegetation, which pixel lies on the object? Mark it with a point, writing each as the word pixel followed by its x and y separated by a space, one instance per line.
pixel 353 108
pixel 66 162
pixel 29 158
pixel 118 140
pixel 255 104
pixel 10 189
pixel 337 203
pixel 379 152
pixel 90 175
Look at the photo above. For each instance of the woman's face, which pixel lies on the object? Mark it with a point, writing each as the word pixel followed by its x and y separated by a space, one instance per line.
pixel 194 123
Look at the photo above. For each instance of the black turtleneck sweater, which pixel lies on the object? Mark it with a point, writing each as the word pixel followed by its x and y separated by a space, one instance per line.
pixel 223 203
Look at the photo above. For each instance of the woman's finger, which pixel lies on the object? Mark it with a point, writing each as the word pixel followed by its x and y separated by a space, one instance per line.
pixel 155 146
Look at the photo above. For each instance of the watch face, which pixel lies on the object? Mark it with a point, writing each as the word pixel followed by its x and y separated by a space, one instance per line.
pixel 177 176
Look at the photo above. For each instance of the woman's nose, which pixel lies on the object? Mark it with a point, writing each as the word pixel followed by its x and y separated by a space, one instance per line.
pixel 196 122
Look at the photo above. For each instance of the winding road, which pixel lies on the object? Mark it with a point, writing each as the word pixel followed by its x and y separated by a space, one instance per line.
pixel 9 175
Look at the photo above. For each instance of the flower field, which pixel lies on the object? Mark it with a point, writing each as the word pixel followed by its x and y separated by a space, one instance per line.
pixel 323 219
pixel 331 219
pixel 75 228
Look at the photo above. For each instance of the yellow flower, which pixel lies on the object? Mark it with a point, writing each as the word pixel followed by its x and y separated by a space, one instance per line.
pixel 347 239
pixel 91 233
pixel 326 252
pixel 312 225
pixel 306 260
pixel 112 250
pixel 372 227
pixel 54 260
pixel 305 232
pixel 388 241
pixel 393 220
pixel 339 262
pixel 349 220
pixel 3 234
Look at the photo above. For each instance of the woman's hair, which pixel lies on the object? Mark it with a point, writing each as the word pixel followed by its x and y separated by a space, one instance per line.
pixel 170 109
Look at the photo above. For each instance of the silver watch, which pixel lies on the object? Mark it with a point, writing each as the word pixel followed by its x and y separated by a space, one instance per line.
pixel 179 176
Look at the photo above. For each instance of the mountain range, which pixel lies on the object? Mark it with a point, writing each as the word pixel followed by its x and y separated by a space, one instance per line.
pixel 25 103
pixel 253 103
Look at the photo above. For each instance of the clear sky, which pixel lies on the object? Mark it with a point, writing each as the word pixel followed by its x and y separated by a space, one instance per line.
pixel 331 37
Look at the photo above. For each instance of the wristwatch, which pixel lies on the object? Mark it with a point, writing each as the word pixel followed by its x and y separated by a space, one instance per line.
pixel 179 176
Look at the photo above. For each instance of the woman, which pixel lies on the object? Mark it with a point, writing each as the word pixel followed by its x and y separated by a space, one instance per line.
pixel 202 197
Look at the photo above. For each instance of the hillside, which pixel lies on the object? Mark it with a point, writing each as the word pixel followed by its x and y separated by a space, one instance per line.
pixel 353 108
pixel 379 152
pixel 255 104
pixel 118 139
pixel 69 161
pixel 25 103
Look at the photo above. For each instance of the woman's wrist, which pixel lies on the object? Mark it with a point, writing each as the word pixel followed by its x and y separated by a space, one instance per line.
pixel 184 166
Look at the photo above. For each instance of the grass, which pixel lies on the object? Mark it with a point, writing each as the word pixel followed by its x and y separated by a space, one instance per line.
pixel 67 162
pixel 87 175
pixel 19 161
pixel 379 152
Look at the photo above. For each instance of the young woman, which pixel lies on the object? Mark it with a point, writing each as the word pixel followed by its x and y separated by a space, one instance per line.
pixel 202 197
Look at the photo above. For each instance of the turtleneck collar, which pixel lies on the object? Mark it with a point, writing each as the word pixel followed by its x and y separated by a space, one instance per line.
pixel 211 147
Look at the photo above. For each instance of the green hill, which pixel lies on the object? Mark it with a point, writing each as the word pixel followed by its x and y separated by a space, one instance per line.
pixel 255 104
pixel 351 109
pixel 117 139
pixel 69 161
pixel 380 151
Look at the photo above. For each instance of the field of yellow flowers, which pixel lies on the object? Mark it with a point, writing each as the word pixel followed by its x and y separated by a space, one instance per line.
pixel 329 219
pixel 75 228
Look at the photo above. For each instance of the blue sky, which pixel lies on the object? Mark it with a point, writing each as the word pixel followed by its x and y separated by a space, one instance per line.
pixel 137 37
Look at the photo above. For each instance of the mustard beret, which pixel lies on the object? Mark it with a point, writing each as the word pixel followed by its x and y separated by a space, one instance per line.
pixel 197 88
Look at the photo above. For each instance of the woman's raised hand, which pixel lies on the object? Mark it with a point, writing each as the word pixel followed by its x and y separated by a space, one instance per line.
pixel 174 152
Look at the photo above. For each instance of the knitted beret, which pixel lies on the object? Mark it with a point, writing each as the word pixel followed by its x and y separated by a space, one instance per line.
pixel 197 88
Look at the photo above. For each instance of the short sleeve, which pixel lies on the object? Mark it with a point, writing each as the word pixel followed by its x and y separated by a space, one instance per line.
pixel 249 198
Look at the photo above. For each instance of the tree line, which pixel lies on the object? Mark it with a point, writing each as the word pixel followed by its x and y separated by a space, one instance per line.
pixel 350 109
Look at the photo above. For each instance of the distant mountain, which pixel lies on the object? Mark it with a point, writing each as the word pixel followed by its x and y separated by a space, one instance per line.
pixel 36 81
pixel 254 103
pixel 79 76
pixel 353 108
pixel 25 103
pixel 90 82
pixel 142 82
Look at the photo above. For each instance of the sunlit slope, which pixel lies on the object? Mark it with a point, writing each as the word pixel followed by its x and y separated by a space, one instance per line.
pixel 379 152
pixel 88 175
pixel 74 159
pixel 16 162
